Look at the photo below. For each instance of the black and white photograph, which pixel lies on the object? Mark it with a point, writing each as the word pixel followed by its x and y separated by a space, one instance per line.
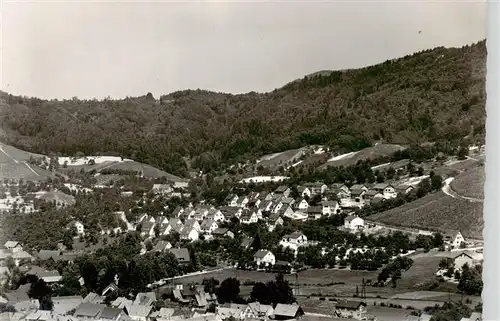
pixel 243 160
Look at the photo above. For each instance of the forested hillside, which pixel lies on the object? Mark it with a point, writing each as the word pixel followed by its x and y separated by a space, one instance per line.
pixel 433 95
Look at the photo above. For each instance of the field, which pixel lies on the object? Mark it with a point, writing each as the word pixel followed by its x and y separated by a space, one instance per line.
pixel 367 153
pixel 13 165
pixel 470 183
pixel 149 171
pixel 280 159
pixel 437 212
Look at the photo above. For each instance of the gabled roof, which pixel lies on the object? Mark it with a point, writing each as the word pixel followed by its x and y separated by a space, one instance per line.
pixel 351 217
pixel 281 189
pixel 287 310
pixel 355 192
pixel 182 254
pixel 247 214
pixel 137 310
pixel 206 224
pixel 261 253
pixel 246 242
pixel 90 310
pixel 314 209
pixel 220 231
pixel 110 313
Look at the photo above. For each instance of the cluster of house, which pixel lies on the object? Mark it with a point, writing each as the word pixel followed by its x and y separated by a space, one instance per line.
pixel 184 303
pixel 191 303
pixel 270 208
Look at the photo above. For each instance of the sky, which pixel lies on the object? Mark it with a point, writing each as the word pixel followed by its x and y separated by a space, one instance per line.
pixel 92 49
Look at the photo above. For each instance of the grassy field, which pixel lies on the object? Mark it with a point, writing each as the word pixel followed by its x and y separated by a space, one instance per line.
pixel 280 159
pixel 13 165
pixel 367 153
pixel 149 171
pixel 470 183
pixel 437 212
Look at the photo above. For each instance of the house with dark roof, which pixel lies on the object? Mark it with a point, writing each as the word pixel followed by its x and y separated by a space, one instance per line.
pixel 314 212
pixel 287 311
pixel 222 232
pixel 304 191
pixel 316 188
pixel 89 311
pixel 177 211
pixel 111 314
pixel 246 242
pixel 282 190
pixel 264 258
pixel 182 255
pixel 148 229
pixel 231 200
pixel 248 217
pixel 231 211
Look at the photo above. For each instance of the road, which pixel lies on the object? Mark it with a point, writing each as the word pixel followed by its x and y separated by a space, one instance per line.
pixel 450 192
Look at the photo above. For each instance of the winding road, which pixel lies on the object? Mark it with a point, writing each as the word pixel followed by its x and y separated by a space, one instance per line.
pixel 450 192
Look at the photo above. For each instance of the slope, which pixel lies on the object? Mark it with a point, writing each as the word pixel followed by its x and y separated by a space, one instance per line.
pixel 432 95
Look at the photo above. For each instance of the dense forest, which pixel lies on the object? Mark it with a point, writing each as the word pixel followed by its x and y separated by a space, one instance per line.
pixel 433 95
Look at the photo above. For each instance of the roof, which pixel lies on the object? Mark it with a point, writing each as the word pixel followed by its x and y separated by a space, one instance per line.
pixel 350 305
pixel 247 214
pixel 64 304
pixel 351 217
pixel 475 316
pixel 261 253
pixel 296 234
pixel 357 191
pixel 259 308
pixel 281 189
pixel 11 244
pixel 145 298
pixel 247 241
pixel 182 254
pixel 47 254
pixel 110 313
pixel 314 209
pixel 93 298
pixel 380 186
pixel 87 309
pixel 207 224
pixel 137 310
pixel 357 186
pixel 288 310
pixel 220 231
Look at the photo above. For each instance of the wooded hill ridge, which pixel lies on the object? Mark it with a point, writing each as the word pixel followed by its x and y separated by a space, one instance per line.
pixel 434 95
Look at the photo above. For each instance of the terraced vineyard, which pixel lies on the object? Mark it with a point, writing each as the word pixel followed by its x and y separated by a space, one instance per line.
pixel 437 212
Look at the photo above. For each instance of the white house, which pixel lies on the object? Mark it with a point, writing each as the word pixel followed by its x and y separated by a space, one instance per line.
pixel 208 226
pixel 463 258
pixel 330 207
pixel 457 240
pixel 302 205
pixel 273 222
pixel 189 233
pixel 354 223
pixel 13 246
pixel 304 191
pixel 386 189
pixel 216 215
pixel 242 201
pixel 248 217
pixel 293 241
pixel 192 223
pixel 232 200
pixel 80 229
pixel 264 258
pixel 148 229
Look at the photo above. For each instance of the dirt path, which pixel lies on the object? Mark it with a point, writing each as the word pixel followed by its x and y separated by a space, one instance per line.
pixel 450 192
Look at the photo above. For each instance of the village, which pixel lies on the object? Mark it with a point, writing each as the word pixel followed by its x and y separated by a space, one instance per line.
pixel 187 227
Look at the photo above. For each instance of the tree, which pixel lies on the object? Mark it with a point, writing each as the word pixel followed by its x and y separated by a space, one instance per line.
pixel 210 285
pixel 260 293
pixel 280 290
pixel 229 290
pixel 471 280
pixel 436 182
